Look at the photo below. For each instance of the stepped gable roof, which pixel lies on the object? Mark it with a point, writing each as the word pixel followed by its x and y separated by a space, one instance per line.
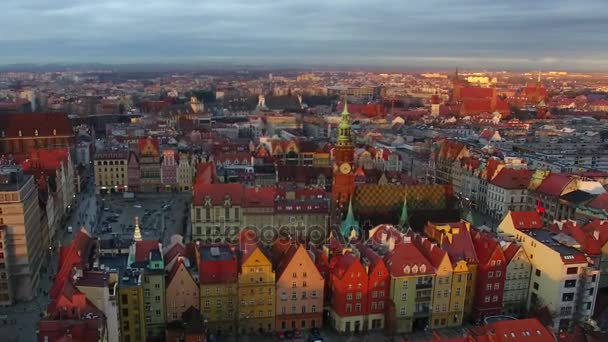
pixel 529 219
pixel 143 249
pixel 512 179
pixel 47 125
pixel 218 193
pixel 259 197
pixel 143 143
pixel 554 184
pixel 599 202
pixel 458 242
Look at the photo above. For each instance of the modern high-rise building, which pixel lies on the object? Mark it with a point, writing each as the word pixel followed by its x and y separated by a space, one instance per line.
pixel 22 235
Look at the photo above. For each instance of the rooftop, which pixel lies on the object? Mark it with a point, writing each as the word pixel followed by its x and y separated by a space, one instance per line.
pixel 559 243
pixel 216 253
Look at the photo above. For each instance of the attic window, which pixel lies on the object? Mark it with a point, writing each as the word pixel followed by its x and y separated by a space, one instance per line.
pixel 415 269
pixel 422 268
pixel 20 134
pixel 533 222
pixel 36 132
pixel 406 269
pixel 2 133
pixel 54 132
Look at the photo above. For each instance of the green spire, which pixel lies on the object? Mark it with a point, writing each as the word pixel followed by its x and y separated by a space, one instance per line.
pixel 349 222
pixel 469 216
pixel 404 217
pixel 345 109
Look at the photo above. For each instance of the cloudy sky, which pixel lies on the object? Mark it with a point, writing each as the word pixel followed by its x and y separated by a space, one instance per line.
pixel 511 34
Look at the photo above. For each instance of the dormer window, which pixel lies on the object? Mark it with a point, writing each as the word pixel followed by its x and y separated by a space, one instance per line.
pixel 54 132
pixel 36 132
pixel 20 134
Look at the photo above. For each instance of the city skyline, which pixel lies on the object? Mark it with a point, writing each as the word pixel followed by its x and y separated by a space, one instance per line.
pixel 429 34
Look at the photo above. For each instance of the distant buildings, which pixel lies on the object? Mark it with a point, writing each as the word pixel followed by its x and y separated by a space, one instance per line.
pixel 21 133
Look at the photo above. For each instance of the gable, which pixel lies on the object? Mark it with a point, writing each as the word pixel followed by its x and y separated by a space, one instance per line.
pixel 301 261
pixel 256 258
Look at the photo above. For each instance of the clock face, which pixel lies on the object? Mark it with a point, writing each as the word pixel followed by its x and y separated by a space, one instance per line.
pixel 345 168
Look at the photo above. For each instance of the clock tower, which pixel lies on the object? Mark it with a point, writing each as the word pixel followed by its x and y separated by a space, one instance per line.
pixel 344 156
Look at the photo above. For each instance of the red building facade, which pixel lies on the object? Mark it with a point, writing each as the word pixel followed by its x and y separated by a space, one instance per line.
pixel 490 276
pixel 349 288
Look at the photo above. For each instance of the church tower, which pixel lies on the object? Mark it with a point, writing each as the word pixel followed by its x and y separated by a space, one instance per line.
pixel 344 156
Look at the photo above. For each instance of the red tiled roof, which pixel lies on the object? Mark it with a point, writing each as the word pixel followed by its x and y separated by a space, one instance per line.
pixel 553 184
pixel 344 263
pixel 46 159
pixel 260 197
pixel 587 241
pixel 509 250
pixel 76 253
pixel 597 228
pixel 599 202
pixel 487 134
pixel 485 246
pixel 517 330
pixel 476 93
pixel 231 157
pixel 460 245
pixel 178 264
pixel 407 254
pixel 143 142
pixel 526 219
pixel 143 249
pixel 28 123
pixel 219 271
pixel 512 179
pixel 175 250
pixel 218 193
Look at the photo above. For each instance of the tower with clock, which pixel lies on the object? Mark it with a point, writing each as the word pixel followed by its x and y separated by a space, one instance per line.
pixel 344 156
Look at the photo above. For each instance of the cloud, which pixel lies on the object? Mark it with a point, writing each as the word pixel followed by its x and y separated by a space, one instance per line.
pixel 480 33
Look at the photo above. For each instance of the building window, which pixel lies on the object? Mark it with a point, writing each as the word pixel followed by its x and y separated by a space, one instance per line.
pixel 402 311
pixel 404 296
pixel 568 297
pixel 348 308
pixel 358 296
pixel 490 274
pixel 498 274
pixel 495 299
pixel 488 287
pixel 572 270
pixel 537 272
pixel 486 299
pixel 349 296
pixel 313 308
pixel 570 283
pixel 496 286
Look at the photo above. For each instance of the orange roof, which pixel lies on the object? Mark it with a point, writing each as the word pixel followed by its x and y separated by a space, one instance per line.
pixel 520 330
pixel 143 143
pixel 476 93
pixel 526 219
pixel 407 254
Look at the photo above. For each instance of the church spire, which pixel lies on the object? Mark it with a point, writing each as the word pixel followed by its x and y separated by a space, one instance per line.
pixel 539 75
pixel 137 231
pixel 404 217
pixel 349 222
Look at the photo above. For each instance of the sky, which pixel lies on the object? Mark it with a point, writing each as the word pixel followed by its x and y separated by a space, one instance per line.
pixel 493 34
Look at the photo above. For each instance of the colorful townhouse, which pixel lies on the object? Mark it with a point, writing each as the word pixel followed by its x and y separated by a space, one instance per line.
pixel 299 290
pixel 149 164
pixel 517 279
pixel 489 290
pixel 218 277
pixel 450 284
pixel 168 171
pixel 146 257
pixel 455 239
pixel 182 291
pixel 412 279
pixel 563 279
pixel 133 173
pixel 378 290
pixel 256 287
pixel 349 284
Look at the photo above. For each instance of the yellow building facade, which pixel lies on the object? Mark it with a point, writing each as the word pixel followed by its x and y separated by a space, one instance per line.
pixel 131 311
pixel 218 304
pixel 111 171
pixel 256 292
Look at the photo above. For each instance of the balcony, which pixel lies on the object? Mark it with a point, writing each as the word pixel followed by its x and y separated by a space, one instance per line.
pixel 425 285
pixel 423 299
